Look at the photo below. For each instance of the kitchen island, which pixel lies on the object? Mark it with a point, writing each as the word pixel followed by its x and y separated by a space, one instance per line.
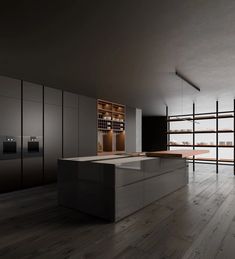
pixel 113 187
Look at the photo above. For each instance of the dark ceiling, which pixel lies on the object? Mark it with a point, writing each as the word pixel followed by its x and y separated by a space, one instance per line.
pixel 124 51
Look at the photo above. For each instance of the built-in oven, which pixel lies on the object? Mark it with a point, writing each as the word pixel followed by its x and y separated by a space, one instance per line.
pixel 33 145
pixel 9 145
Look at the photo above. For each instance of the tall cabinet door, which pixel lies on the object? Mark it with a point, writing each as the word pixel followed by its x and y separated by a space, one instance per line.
pixel 70 124
pixel 87 139
pixel 10 134
pixel 32 134
pixel 52 132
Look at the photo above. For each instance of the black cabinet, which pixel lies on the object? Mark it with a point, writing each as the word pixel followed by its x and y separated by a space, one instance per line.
pixel 70 124
pixel 10 134
pixel 52 132
pixel 32 132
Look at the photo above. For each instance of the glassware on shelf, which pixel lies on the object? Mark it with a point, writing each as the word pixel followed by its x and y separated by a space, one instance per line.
pixel 202 143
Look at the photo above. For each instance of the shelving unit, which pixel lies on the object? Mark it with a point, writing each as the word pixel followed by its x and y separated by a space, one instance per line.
pixel 111 127
pixel 192 132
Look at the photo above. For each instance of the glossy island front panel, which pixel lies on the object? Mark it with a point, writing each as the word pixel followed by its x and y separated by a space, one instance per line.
pixel 115 188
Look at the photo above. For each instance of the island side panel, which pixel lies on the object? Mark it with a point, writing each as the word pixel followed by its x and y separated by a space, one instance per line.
pixel 129 189
pixel 162 177
pixel 164 184
pixel 67 183
pixel 138 187
pixel 87 187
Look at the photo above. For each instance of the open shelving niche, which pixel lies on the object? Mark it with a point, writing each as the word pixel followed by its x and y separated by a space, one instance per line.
pixel 192 133
pixel 110 127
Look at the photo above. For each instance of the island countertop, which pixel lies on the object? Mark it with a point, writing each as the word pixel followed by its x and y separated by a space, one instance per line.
pixel 92 158
pixel 182 153
pixel 122 160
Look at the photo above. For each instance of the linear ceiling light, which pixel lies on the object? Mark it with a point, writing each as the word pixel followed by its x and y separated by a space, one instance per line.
pixel 187 80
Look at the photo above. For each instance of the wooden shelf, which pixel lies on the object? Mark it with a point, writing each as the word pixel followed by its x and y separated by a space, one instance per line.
pixel 196 118
pixel 203 159
pixel 225 116
pixel 104 110
pixel 200 131
pixel 225 160
pixel 205 117
pixel 181 145
pixel 180 132
pixel 104 119
pixel 225 146
pixel 181 119
pixel 225 131
pixel 103 129
pixel 116 112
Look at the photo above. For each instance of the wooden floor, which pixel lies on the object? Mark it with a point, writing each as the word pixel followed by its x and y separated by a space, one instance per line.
pixel 197 221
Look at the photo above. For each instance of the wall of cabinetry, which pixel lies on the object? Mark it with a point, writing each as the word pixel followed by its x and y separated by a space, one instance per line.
pixel 38 125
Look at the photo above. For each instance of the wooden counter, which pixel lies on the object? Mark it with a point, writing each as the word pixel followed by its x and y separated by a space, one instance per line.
pixel 182 153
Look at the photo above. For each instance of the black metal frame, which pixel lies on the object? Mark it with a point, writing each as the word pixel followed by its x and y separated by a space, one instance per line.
pixel 233 136
pixel 193 135
pixel 167 127
pixel 217 136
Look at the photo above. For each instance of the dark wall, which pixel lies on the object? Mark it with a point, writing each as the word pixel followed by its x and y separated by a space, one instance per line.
pixel 70 124
pixel 154 137
pixel 87 133
pixel 38 125
pixel 52 132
